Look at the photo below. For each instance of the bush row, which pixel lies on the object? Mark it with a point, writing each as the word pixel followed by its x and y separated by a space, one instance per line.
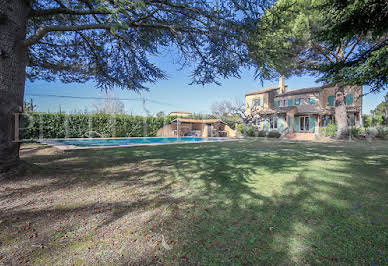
pixel 252 131
pixel 59 125
pixel 378 132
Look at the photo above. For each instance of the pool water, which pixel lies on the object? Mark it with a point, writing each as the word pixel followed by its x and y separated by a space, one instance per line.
pixel 131 141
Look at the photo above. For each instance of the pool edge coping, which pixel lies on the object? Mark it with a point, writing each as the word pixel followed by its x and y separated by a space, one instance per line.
pixel 65 147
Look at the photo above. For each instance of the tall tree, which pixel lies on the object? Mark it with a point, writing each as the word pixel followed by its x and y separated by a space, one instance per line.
pixel 386 110
pixel 363 23
pixel 111 41
pixel 287 41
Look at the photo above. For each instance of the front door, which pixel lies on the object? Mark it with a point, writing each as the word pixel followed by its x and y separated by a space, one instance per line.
pixel 304 125
pixel 209 130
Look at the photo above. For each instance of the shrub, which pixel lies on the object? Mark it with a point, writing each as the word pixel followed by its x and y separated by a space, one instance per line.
pixel 371 132
pixel 274 134
pixel 330 130
pixel 261 133
pixel 354 132
pixel 251 131
pixel 240 128
pixel 58 125
pixel 382 132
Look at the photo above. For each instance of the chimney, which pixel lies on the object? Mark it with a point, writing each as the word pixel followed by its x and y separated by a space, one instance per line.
pixel 282 85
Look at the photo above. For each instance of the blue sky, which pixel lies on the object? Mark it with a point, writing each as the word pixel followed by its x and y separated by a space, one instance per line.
pixel 175 93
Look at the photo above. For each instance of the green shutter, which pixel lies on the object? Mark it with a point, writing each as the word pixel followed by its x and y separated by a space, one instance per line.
pixel 289 122
pixel 312 100
pixel 265 124
pixel 290 102
pixel 349 99
pixel 330 101
pixel 312 123
pixel 280 123
pixel 296 101
pixel 276 104
pixel 296 124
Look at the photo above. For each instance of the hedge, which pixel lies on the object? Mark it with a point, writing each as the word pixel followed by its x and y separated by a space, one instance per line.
pixel 252 131
pixel 59 125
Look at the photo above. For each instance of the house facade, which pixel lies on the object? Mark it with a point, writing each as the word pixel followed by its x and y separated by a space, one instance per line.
pixel 301 110
pixel 185 127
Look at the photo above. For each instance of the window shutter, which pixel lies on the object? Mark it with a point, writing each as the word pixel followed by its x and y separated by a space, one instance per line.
pixel 289 122
pixel 290 102
pixel 280 123
pixel 330 101
pixel 296 101
pixel 265 124
pixel 276 104
pixel 312 100
pixel 349 99
pixel 312 123
pixel 296 124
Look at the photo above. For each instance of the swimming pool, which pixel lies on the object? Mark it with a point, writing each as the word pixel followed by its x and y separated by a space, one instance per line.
pixel 125 142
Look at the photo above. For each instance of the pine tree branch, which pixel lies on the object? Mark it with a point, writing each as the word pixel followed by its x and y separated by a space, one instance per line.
pixel 320 49
pixel 43 30
pixel 354 46
pixel 60 3
pixel 66 11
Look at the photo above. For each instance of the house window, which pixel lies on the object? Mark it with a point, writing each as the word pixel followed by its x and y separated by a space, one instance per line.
pixel 257 102
pixel 308 101
pixel 296 101
pixel 273 122
pixel 351 120
pixel 304 124
pixel 325 120
pixel 281 103
pixel 258 122
pixel 330 100
pixel 301 101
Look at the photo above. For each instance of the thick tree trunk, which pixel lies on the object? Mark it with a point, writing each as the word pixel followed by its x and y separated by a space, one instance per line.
pixel 341 117
pixel 13 21
pixel 386 110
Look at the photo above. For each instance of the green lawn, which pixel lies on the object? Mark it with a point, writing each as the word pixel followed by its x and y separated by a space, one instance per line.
pixel 246 202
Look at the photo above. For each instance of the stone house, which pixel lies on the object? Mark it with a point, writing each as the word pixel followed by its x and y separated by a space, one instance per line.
pixel 301 111
pixel 186 127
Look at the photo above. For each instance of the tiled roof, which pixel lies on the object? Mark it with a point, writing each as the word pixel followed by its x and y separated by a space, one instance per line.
pixel 198 121
pixel 181 112
pixel 263 90
pixel 304 90
pixel 309 109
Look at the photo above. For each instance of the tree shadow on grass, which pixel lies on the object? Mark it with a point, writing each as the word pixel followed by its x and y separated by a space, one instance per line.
pixel 312 219
pixel 231 203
